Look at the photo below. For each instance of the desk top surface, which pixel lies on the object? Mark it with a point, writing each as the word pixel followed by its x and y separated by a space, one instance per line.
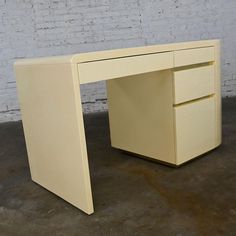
pixel 115 53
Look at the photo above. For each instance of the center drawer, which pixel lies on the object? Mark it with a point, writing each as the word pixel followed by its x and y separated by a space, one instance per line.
pixel 126 66
pixel 193 83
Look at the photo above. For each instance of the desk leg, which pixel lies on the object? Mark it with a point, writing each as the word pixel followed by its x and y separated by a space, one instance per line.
pixel 54 131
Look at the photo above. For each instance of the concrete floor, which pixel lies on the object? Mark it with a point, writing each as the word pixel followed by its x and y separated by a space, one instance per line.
pixel 132 196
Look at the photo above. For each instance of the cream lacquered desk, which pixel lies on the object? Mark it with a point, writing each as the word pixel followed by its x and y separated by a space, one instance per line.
pixel 164 103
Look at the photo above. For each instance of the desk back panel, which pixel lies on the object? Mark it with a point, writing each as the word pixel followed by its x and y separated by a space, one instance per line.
pixel 141 115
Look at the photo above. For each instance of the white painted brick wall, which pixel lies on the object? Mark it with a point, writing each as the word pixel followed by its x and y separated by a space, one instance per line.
pixel 33 28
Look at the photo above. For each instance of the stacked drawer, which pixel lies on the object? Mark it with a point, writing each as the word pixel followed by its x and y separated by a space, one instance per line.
pixel 194 102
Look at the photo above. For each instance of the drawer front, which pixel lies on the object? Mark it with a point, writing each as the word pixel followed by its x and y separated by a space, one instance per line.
pixel 193 56
pixel 193 83
pixel 195 129
pixel 115 68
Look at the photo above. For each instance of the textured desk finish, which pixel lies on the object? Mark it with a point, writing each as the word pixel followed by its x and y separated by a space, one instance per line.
pixel 164 103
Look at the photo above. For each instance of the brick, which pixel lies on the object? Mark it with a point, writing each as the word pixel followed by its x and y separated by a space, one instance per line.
pixel 42 28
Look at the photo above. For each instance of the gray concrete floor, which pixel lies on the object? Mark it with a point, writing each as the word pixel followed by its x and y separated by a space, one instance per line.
pixel 132 196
